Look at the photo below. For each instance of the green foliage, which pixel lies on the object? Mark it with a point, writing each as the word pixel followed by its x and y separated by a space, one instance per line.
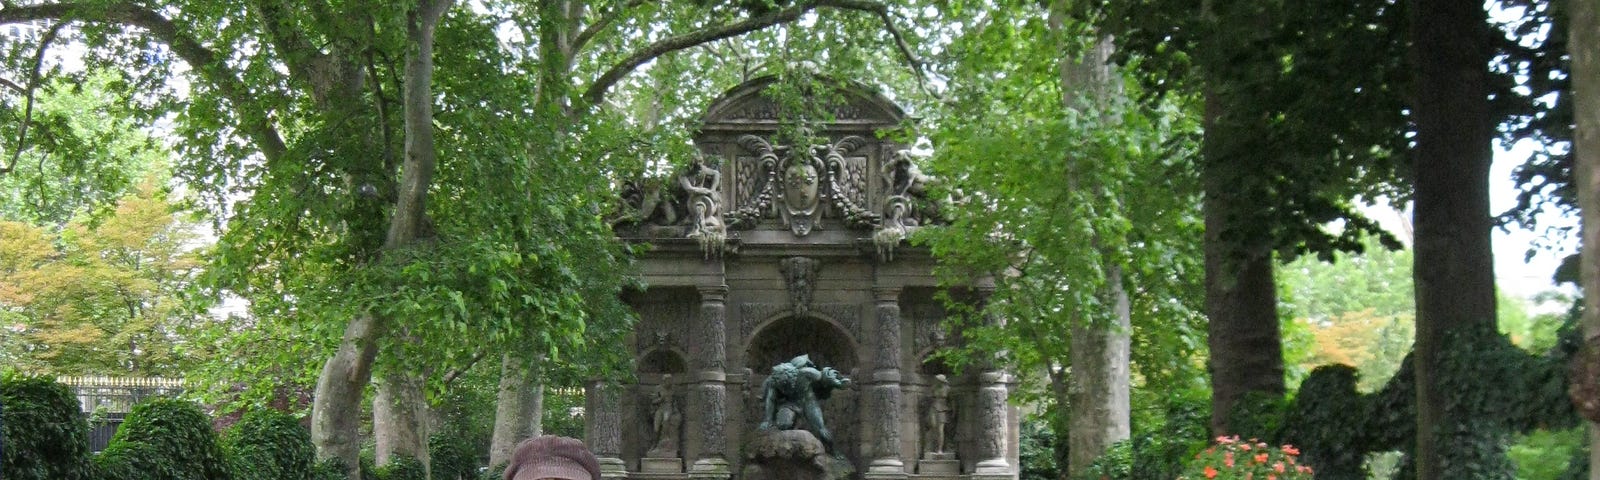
pixel 454 455
pixel 561 413
pixel 1161 445
pixel 135 460
pixel 82 151
pixel 1115 464
pixel 1320 423
pixel 1037 446
pixel 166 439
pixel 1259 415
pixel 330 469
pixel 268 445
pixel 99 296
pixel 44 434
pixel 402 468
pixel 1048 197
pixel 1548 454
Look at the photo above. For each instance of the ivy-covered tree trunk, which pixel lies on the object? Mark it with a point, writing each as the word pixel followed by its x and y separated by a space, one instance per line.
pixel 1097 393
pixel 1454 269
pixel 1584 45
pixel 519 407
pixel 1241 299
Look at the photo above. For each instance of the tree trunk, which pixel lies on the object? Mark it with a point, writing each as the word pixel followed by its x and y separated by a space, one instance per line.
pixel 1584 45
pixel 1097 392
pixel 399 419
pixel 336 406
pixel 1241 300
pixel 1454 268
pixel 519 407
pixel 336 409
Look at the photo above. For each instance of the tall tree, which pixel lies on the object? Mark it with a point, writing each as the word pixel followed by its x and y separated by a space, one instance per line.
pixel 325 113
pixel 99 298
pixel 1098 397
pixel 1585 48
pixel 1300 117
pixel 1454 271
pixel 1058 167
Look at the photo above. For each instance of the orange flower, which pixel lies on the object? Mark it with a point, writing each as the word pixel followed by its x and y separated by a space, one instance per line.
pixel 1277 467
pixel 1290 450
pixel 1211 472
pixel 1244 446
pixel 1227 459
pixel 1261 458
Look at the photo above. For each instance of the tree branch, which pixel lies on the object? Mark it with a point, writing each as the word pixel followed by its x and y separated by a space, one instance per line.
pixel 33 87
pixel 256 122
pixel 601 24
pixel 597 90
pixel 306 62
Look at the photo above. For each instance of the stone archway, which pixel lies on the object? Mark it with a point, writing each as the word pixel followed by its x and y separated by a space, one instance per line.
pixel 786 337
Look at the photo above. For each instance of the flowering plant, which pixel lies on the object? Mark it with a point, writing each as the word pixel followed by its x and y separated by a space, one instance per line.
pixel 1232 458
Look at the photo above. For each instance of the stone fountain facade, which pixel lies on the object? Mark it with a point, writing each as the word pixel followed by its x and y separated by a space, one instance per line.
pixel 762 251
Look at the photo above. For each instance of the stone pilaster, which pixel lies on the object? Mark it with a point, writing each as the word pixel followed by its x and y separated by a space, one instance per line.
pixel 883 395
pixel 603 427
pixel 708 397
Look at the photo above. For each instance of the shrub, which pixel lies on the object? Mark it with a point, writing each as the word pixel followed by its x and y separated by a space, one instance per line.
pixel 269 445
pixel 402 468
pixel 454 456
pixel 165 439
pixel 1320 421
pixel 44 434
pixel 1232 459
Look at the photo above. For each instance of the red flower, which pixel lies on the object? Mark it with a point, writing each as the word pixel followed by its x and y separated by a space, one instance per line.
pixel 1211 472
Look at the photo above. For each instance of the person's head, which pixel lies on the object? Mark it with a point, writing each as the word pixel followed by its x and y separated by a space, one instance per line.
pixel 552 457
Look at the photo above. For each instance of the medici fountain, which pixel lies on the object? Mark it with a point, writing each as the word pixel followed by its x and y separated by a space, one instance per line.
pixel 786 320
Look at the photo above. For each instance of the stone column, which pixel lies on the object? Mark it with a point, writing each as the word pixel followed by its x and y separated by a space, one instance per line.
pixel 883 396
pixel 708 397
pixel 603 427
pixel 992 429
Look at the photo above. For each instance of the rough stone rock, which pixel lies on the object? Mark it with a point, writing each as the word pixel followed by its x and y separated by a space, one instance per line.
pixel 791 455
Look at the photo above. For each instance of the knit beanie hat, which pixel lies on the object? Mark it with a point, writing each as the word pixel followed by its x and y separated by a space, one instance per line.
pixel 551 456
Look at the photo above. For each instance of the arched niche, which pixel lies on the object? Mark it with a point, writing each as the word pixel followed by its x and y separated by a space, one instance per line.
pixel 932 365
pixel 787 337
pixel 662 360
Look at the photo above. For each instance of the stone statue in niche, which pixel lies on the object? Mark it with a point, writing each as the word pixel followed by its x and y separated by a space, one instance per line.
pixel 795 391
pixel 703 185
pixel 936 418
pixel 665 420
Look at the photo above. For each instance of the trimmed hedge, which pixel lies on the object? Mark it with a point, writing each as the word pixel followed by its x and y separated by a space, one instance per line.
pixel 269 445
pixel 165 439
pixel 44 434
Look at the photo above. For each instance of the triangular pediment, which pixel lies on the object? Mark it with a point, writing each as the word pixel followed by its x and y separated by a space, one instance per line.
pixel 851 105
